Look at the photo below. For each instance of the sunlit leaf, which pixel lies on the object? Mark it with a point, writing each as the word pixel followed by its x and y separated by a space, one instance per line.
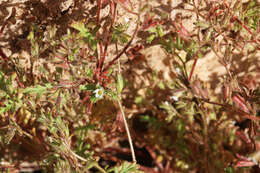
pixel 38 89
pixel 120 83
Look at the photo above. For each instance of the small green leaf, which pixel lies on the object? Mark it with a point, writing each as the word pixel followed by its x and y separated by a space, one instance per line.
pixel 124 38
pixel 31 35
pixel 200 55
pixel 179 44
pixel 86 34
pixel 125 167
pixel 138 99
pixel 202 24
pixel 111 94
pixel 89 87
pixel 3 110
pixel 120 83
pixel 91 164
pixel 38 89
pixel 89 72
pixel 159 31
pixel 150 38
pixel 229 170
pixel 161 85
pixel 70 57
pixel 93 99
pixel 152 30
pixel 80 27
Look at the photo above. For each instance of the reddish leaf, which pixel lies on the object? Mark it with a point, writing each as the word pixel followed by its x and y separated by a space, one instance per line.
pixel 240 102
pixel 183 32
pixel 250 82
pixel 243 137
pixel 244 161
pixel 149 22
pixel 105 79
pixel 19 82
pixel 89 107
pixel 198 90
pixel 245 164
pixel 63 65
pixel 58 100
pixel 227 92
pixel 134 52
pixel 86 97
pixel 119 123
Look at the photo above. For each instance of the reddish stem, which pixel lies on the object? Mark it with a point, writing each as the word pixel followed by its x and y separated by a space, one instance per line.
pixel 153 155
pixel 98 11
pixel 104 53
pixel 193 67
pixel 124 49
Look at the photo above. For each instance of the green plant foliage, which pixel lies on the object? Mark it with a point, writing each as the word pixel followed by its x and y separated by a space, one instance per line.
pixel 86 34
pixel 79 84
pixel 119 35
pixel 125 168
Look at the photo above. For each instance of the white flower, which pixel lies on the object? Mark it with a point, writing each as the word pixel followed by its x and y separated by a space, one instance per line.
pixel 176 95
pixel 126 19
pixel 178 70
pixel 175 98
pixel 99 93
pixel 167 103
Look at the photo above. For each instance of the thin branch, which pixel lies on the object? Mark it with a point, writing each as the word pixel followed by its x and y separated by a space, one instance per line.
pixel 125 48
pixel 125 122
pixel 127 131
